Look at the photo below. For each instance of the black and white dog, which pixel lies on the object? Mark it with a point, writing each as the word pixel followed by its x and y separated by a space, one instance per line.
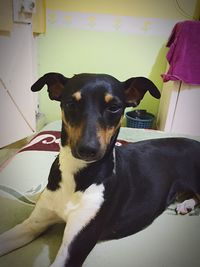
pixel 100 192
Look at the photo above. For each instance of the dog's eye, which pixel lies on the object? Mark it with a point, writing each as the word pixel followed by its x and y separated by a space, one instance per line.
pixel 114 108
pixel 70 105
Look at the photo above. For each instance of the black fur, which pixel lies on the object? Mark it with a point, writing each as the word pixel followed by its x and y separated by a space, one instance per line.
pixel 54 176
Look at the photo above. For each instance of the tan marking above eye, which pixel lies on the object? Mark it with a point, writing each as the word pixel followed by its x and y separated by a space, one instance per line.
pixel 77 96
pixel 108 97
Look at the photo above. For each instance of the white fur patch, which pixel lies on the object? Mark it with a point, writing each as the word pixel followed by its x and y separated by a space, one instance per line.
pixel 186 206
pixel 80 210
pixel 69 166
pixel 57 200
pixel 84 209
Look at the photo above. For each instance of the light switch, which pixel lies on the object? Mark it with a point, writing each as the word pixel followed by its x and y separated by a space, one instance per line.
pixel 28 6
pixel 23 10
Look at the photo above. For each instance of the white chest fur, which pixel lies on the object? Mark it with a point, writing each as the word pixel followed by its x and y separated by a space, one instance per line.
pixel 68 167
pixel 65 201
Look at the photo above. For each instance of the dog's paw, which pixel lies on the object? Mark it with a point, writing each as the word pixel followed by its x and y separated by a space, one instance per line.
pixel 186 206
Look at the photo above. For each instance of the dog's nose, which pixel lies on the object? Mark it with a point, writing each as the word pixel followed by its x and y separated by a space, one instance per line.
pixel 87 152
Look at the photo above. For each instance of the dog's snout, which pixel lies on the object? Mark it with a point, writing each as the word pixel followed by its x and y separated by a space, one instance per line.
pixel 88 151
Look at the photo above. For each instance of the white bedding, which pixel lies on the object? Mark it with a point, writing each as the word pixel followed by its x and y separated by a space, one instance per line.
pixel 171 241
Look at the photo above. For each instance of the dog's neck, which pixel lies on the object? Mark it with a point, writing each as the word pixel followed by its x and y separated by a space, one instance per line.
pixel 72 164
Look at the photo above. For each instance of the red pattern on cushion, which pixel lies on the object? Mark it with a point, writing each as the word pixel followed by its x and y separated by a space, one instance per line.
pixel 44 141
pixel 50 141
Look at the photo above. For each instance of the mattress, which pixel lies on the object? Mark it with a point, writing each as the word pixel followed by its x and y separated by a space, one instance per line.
pixel 25 175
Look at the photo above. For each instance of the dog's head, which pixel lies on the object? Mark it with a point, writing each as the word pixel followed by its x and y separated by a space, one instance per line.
pixel 92 107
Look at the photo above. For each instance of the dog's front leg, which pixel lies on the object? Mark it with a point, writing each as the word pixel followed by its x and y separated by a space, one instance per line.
pixel 23 233
pixel 83 228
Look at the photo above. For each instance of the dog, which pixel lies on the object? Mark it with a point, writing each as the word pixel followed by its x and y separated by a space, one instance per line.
pixel 100 191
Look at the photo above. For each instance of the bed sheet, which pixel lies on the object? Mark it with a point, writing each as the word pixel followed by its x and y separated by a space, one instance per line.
pixel 25 175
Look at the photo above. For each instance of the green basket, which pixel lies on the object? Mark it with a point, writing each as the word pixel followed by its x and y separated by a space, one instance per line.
pixel 139 119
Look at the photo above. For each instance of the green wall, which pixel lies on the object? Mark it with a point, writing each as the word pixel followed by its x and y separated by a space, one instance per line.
pixel 124 46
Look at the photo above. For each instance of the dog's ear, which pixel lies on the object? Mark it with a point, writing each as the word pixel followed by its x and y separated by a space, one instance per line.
pixel 55 83
pixel 135 89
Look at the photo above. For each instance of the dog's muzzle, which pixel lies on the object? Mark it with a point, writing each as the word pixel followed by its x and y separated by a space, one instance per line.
pixel 88 151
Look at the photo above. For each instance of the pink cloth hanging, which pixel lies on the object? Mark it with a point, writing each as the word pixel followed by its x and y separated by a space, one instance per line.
pixel 184 53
